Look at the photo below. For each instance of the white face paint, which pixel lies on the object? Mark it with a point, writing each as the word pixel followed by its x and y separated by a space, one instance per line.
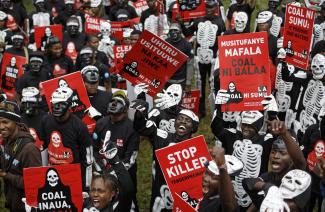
pixel 53 178
pixel 232 87
pixel 294 183
pixel 175 91
pixel 241 21
pixel 105 27
pixel 318 66
pixel 56 139
pixel 319 149
pixel 48 32
pixel 13 61
pixel 63 84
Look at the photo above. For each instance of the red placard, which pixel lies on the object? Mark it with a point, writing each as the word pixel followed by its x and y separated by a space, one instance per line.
pixel 244 70
pixel 180 205
pixel 119 27
pixel 191 10
pixel 43 32
pixel 92 25
pixel 297 38
pixel 183 165
pixel 152 61
pixel 12 68
pixel 119 54
pixel 54 188
pixel 191 101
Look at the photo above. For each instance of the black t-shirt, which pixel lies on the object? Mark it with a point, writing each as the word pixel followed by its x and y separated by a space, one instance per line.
pixel 131 12
pixel 79 41
pixel 55 7
pixel 210 205
pixel 66 142
pixel 59 66
pixel 19 52
pixel 272 43
pixel 318 48
pixel 16 14
pixel 100 101
pixel 240 8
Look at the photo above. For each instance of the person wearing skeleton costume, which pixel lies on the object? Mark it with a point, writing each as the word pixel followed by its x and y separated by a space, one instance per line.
pixel 53 184
pixel 284 157
pixel 217 189
pixel 246 6
pixel 319 33
pixel 65 135
pixel 241 19
pixel 72 34
pixel 123 136
pixel 31 113
pixel 40 17
pixel 19 152
pixel 186 124
pixel 184 74
pixel 314 151
pixel 247 145
pixel 107 41
pixel 207 29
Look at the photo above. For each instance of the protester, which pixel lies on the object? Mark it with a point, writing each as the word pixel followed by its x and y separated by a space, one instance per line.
pixel 19 152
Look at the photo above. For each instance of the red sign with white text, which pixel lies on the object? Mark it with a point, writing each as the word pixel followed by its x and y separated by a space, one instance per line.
pixel 11 69
pixel 119 27
pixel 180 205
pixel 191 101
pixel 44 32
pixel 297 38
pixel 244 70
pixel 54 188
pixel 152 61
pixel 119 54
pixel 183 165
pixel 92 25
pixel 191 10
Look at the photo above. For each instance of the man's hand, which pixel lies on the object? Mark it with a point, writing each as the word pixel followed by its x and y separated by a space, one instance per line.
pixel 276 127
pixel 2 173
pixel 218 155
pixel 270 104
pixel 222 97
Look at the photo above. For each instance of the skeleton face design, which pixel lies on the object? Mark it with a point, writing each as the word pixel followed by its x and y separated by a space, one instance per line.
pixel 105 27
pixel 56 139
pixel 71 47
pixel 232 87
pixel 63 84
pixel 294 183
pixel 174 91
pixel 13 61
pixel 33 133
pixel 48 32
pixel 289 44
pixel 319 148
pixel 52 178
pixel 318 66
pixel 134 64
pixel 185 195
pixel 241 19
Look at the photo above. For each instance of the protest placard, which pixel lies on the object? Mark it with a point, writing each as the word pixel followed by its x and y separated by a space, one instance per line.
pixel 244 70
pixel 11 69
pixel 191 9
pixel 297 37
pixel 152 61
pixel 54 188
pixel 92 25
pixel 180 205
pixel 119 54
pixel 183 165
pixel 191 101
pixel 118 27
pixel 44 32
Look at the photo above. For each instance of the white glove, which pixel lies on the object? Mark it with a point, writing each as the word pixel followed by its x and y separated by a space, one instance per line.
pixel 279 43
pixel 28 208
pixel 92 209
pixel 270 104
pixel 85 195
pixel 273 202
pixel 164 101
pixel 92 112
pixel 281 53
pixel 222 97
pixel 139 88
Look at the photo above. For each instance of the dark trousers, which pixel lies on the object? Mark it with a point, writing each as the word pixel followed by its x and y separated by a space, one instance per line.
pixel 205 70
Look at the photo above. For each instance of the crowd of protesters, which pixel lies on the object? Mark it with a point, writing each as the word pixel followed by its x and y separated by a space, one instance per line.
pixel 270 160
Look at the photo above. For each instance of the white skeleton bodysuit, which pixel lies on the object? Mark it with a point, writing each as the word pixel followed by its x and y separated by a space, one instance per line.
pixel 206 37
pixel 41 19
pixel 157 25
pixel 250 154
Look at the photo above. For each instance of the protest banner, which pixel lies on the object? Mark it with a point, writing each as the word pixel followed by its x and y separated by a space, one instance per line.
pixel 139 6
pixel 92 25
pixel 244 70
pixel 44 32
pixel 297 37
pixel 180 205
pixel 80 100
pixel 11 69
pixel 152 61
pixel 119 54
pixel 191 101
pixel 191 9
pixel 118 27
pixel 54 188
pixel 183 165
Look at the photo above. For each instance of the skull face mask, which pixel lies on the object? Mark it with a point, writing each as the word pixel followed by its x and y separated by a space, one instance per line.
pixel 52 178
pixel 105 28
pixel 232 87
pixel 175 91
pixel 48 32
pixel 56 139
pixel 241 21
pixel 318 66
pixel 319 148
pixel 13 62
pixel 294 183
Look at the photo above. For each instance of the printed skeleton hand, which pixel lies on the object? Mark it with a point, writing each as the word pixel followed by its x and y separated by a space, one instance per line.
pixel 270 104
pixel 92 112
pixel 273 202
pixel 28 208
pixel 139 105
pixel 222 97
pixel 281 53
pixel 140 88
pixel 164 101
pixel 109 150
